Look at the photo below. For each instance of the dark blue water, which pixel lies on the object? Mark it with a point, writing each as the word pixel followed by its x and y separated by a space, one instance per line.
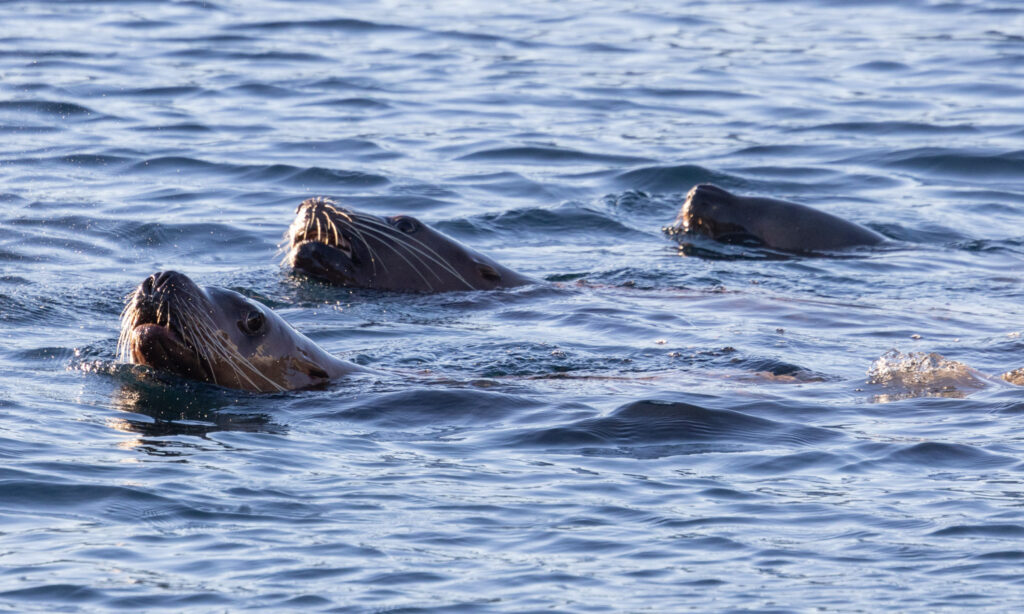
pixel 655 427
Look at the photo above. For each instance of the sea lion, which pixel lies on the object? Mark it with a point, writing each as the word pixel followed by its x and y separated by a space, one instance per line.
pixel 219 336
pixel 1014 377
pixel 777 224
pixel 400 253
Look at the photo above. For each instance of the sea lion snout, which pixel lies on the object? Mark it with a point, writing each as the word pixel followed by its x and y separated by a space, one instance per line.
pixel 164 283
pixel 152 296
pixel 698 212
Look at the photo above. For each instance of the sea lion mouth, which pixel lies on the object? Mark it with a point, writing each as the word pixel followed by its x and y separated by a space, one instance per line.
pixel 317 221
pixel 160 347
pixel 331 236
pixel 153 330
pixel 694 217
pixel 171 324
pixel 337 241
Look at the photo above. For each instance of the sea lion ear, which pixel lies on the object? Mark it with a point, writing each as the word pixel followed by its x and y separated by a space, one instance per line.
pixel 488 272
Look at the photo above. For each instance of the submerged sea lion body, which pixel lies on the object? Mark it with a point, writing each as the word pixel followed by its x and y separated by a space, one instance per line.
pixel 1014 377
pixel 778 224
pixel 219 336
pixel 359 250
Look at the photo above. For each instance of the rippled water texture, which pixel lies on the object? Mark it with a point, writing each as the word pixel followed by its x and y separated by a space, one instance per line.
pixel 654 426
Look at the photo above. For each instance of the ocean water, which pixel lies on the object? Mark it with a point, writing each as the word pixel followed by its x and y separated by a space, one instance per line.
pixel 653 426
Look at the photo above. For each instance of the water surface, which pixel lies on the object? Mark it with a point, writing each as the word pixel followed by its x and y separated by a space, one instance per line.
pixel 653 426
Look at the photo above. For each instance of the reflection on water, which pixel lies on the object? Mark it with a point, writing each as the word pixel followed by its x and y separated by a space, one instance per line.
pixel 184 408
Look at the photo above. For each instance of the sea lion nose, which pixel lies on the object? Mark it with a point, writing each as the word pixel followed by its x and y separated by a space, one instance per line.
pixel 165 280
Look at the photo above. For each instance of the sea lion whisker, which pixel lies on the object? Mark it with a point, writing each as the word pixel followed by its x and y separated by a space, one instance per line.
pixel 359 224
pixel 419 257
pixel 423 249
pixel 330 204
pixel 374 257
pixel 124 339
pixel 230 354
pixel 198 337
pixel 165 309
pixel 323 220
pixel 319 230
pixel 386 231
pixel 402 242
pixel 211 341
pixel 412 266
pixel 334 229
pixel 129 314
pixel 208 343
pixel 332 225
pixel 391 232
pixel 219 336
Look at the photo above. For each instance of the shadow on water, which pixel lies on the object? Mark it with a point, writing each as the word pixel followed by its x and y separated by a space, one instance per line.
pixel 657 428
pixel 162 406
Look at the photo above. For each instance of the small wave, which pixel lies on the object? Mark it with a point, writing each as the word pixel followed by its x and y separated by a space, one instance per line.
pixel 945 162
pixel 353 103
pixel 882 66
pixel 161 92
pixel 315 176
pixel 35 54
pixel 338 24
pixel 547 155
pixel 349 83
pixel 80 160
pixel 141 24
pixel 999 531
pixel 890 127
pixel 429 407
pixel 486 38
pixel 53 495
pixel 360 148
pixel 938 455
pixel 27 129
pixel 263 90
pixel 777 151
pixel 989 246
pixel 510 185
pixel 25 310
pixel 176 164
pixel 63 110
pixel 54 593
pixel 571 219
pixel 203 236
pixel 47 354
pixel 815 460
pixel 680 178
pixel 330 178
pixel 640 93
pixel 661 422
pixel 283 57
pixel 184 128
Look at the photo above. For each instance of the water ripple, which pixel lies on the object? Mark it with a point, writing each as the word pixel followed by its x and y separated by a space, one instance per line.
pixel 654 425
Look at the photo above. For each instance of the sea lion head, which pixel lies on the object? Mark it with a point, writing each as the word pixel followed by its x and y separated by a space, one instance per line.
pixel 218 336
pixel 709 210
pixel 398 253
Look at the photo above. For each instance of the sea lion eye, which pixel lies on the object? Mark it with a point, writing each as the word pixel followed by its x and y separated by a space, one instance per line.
pixel 252 323
pixel 406 224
